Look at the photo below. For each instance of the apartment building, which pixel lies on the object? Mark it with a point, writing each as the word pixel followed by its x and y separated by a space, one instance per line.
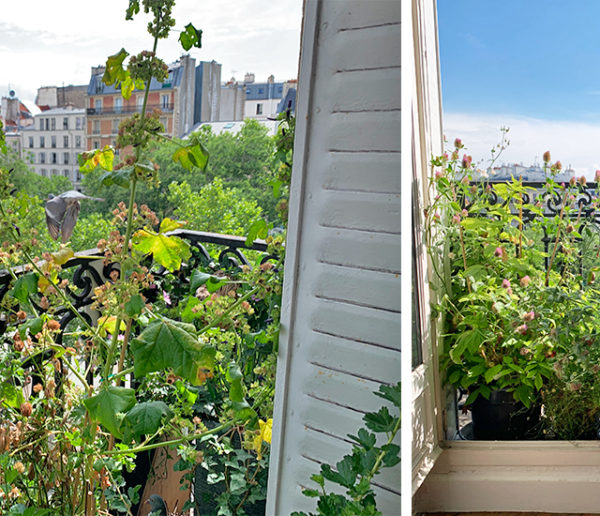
pixel 174 98
pixel 53 142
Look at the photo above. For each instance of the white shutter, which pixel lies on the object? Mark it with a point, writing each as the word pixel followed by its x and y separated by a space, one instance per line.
pixel 340 336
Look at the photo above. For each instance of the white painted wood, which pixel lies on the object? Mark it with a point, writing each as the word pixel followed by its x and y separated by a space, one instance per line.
pixel 549 476
pixel 340 335
pixel 421 68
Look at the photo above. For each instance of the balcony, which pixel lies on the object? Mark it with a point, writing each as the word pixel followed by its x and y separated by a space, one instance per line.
pixel 127 110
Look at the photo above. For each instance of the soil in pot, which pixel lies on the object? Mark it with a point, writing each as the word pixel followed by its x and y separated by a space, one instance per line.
pixel 502 418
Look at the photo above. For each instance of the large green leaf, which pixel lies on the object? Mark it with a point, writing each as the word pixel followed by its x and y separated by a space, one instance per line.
pixel 258 229
pixel 190 37
pixel 144 419
pixel 234 377
pixel 114 72
pixel 121 177
pixel 168 344
pixel 104 158
pixel 194 154
pixel 168 251
pixel 109 406
pixel 25 286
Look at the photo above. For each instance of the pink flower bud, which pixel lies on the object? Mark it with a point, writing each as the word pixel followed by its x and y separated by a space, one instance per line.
pixel 465 180
pixel 456 219
pixel 455 155
pixel 558 165
pixel 465 213
pixel 546 157
pixel 445 156
pixel 498 253
pixel 529 316
pixel 466 161
pixel 572 181
pixel 522 329
pixel 583 180
pixel 438 174
pixel 525 280
pixel 505 283
pixel 597 176
pixel 458 143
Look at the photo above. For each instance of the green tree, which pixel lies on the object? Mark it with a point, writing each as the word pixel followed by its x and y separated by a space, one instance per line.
pixel 214 208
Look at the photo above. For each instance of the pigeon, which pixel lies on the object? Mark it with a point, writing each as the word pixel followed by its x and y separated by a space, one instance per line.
pixel 158 506
pixel 62 212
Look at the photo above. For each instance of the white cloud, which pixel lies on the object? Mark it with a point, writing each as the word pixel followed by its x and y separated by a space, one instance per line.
pixel 52 46
pixel 573 143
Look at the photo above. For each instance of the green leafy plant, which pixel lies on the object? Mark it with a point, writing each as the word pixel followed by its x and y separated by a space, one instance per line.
pixel 355 471
pixel 516 288
pixel 194 336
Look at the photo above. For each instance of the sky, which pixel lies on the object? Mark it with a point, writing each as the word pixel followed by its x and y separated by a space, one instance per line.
pixel 48 43
pixel 531 65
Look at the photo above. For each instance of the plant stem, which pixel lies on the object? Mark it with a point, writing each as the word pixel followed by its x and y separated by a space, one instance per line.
pixel 562 212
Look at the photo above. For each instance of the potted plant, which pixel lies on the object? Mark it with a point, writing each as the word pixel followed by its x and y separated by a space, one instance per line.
pixel 508 260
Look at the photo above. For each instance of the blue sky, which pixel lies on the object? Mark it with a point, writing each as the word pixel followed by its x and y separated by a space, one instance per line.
pixel 532 65
pixel 537 58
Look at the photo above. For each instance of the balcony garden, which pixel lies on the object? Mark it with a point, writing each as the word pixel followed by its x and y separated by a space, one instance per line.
pixel 516 268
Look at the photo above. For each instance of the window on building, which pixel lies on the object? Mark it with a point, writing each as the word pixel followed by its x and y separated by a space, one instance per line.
pixel 77 140
pixel 115 126
pixel 65 141
pixel 259 109
pixel 118 104
pixel 41 124
pixel 54 172
pixel 31 142
pixel 261 91
pixel 164 101
pixel 42 141
pixel 78 123
pixel 163 121
pixel 47 124
pixel 66 158
pixel 96 127
pixel 53 141
pixel 44 172
pixel 42 157
pixel 78 176
pixel 139 100
pixel 66 172
pixel 65 123
pixel 53 123
pixel 53 158
pixel 98 105
pixel 96 144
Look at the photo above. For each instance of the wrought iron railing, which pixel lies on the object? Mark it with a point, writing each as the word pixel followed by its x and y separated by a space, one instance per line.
pixel 125 110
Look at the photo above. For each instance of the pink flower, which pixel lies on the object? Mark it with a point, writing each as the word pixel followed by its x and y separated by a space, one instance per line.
pixel 438 174
pixel 597 176
pixel 166 297
pixel 466 161
pixel 572 181
pixel 505 283
pixel 583 180
pixel 498 252
pixel 465 213
pixel 529 316
pixel 445 156
pixel 458 143
pixel 456 219
pixel 546 156
pixel 558 165
pixel 525 280
pixel 574 386
pixel 522 329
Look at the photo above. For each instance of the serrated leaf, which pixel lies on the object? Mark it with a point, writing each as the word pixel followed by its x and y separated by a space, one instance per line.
pixel 392 393
pixel 312 493
pixel 366 439
pixel 381 421
pixel 392 455
pixel 144 419
pixel 168 251
pixel 491 373
pixel 168 344
pixel 25 286
pixel 109 405
pixel 197 279
pixel 34 326
pixel 194 154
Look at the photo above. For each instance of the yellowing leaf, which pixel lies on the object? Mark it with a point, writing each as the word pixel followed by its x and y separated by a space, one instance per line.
pixel 266 429
pixel 114 72
pixel 169 225
pixel 88 161
pixel 63 255
pixel 109 324
pixel 192 155
pixel 168 251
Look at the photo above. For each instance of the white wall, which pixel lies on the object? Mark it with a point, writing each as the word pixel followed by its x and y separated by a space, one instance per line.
pixel 340 333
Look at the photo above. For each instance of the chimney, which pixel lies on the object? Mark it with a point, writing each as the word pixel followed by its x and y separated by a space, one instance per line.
pixel 249 78
pixel 271 79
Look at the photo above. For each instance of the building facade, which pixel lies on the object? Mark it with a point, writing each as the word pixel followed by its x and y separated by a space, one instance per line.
pixel 49 97
pixel 174 98
pixel 53 142
pixel 262 98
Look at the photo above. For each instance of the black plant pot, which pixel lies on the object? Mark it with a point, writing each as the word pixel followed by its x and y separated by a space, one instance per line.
pixel 502 418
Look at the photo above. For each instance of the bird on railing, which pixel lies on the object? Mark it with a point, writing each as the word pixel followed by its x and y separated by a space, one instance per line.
pixel 62 212
pixel 159 507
